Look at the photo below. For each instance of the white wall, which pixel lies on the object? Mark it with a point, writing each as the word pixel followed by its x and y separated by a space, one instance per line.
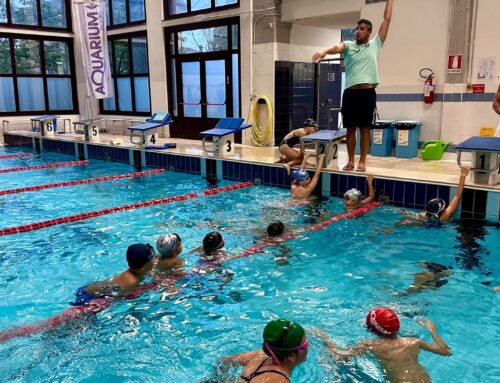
pixel 306 40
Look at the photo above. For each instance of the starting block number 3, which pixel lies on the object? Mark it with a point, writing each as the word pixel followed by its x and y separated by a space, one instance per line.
pixel 227 148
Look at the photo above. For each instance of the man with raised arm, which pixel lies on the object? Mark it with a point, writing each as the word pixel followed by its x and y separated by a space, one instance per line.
pixel 359 99
pixel 496 101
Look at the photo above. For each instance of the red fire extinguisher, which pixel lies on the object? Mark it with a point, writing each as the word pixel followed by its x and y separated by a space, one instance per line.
pixel 428 85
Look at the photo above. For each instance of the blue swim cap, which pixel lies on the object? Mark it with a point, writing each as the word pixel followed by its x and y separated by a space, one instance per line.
pixel 354 195
pixel 139 254
pixel 300 175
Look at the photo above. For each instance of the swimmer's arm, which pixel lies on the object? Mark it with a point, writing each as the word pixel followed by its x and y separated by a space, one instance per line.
pixel 304 161
pixel 450 210
pixel 241 359
pixel 496 101
pixel 334 49
pixel 384 27
pixel 317 173
pixel 371 190
pixel 439 347
pixel 342 355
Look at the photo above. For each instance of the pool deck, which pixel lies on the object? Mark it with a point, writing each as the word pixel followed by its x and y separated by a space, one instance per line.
pixel 443 172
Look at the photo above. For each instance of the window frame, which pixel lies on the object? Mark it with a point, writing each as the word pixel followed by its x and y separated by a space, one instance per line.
pixel 39 27
pixel 188 13
pixel 128 23
pixel 43 74
pixel 129 36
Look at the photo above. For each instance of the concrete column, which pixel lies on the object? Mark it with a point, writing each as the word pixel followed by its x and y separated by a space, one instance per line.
pixel 461 20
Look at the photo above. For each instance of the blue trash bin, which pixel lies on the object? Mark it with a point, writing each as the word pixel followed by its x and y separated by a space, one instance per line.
pixel 407 135
pixel 382 138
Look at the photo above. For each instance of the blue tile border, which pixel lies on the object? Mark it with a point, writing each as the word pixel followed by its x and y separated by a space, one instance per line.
pixel 438 97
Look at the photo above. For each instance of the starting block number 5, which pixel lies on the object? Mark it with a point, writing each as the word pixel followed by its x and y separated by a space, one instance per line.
pixel 94 133
pixel 49 128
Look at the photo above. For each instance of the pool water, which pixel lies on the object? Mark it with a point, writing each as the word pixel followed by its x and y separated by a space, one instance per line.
pixel 327 279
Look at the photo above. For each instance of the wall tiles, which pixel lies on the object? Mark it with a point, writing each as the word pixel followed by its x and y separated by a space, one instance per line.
pixel 420 192
pixel 106 153
pixel 15 140
pixel 65 147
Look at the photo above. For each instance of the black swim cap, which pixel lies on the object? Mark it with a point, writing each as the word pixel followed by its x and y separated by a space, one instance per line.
pixel 139 254
pixel 310 122
pixel 435 206
pixel 276 228
pixel 213 241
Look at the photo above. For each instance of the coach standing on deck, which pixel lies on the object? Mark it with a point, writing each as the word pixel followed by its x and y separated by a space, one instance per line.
pixel 359 99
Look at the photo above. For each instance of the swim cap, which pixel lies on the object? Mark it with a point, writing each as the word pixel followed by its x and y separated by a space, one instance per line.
pixel 382 321
pixel 435 206
pixel 276 228
pixel 139 254
pixel 309 122
pixel 354 195
pixel 213 241
pixel 282 337
pixel 167 244
pixel 300 175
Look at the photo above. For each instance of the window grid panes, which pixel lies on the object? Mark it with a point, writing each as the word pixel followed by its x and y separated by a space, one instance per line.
pixel 128 55
pixel 37 77
pixel 123 12
pixel 43 14
pixel 179 8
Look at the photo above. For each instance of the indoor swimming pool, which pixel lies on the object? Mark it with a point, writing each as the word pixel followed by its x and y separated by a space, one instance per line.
pixel 328 279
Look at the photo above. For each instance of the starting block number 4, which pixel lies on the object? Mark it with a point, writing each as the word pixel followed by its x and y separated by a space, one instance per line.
pixel 151 139
pixel 49 128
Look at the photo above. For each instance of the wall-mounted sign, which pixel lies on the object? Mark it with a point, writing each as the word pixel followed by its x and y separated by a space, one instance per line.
pixel 455 63
pixel 478 88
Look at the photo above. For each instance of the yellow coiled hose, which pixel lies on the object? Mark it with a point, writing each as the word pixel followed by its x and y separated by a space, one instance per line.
pixel 262 135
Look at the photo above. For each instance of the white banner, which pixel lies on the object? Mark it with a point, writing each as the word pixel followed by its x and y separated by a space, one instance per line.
pixel 91 20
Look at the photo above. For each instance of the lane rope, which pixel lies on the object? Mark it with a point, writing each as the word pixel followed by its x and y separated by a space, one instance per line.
pixel 16 155
pixel 45 166
pixel 131 206
pixel 81 182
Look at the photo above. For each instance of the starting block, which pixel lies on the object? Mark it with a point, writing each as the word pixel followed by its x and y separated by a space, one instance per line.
pixel 89 128
pixel 326 142
pixel 485 158
pixel 223 136
pixel 147 134
pixel 46 125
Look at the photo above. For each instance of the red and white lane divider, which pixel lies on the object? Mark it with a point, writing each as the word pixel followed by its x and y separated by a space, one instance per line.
pixel 81 182
pixel 16 155
pixel 227 188
pixel 97 213
pixel 45 166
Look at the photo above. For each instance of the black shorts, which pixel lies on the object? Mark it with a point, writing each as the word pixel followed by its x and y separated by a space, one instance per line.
pixel 358 107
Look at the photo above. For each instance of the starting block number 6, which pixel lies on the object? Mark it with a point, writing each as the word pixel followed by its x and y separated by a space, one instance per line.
pixel 49 128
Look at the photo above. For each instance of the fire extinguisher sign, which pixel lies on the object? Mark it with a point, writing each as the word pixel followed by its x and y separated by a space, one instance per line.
pixel 455 63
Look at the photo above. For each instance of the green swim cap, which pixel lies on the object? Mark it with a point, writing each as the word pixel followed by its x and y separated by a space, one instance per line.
pixel 282 336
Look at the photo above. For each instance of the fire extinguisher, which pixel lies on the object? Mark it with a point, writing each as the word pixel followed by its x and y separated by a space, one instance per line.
pixel 428 74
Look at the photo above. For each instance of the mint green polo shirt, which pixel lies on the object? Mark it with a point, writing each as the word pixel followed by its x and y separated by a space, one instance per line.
pixel 361 62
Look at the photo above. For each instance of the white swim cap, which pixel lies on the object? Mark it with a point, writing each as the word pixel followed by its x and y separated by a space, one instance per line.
pixel 167 244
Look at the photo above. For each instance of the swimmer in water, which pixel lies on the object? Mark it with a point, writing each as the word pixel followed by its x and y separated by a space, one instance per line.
pixel 398 356
pixel 167 263
pixel 140 263
pixel 432 279
pixel 353 198
pixel 284 347
pixel 302 185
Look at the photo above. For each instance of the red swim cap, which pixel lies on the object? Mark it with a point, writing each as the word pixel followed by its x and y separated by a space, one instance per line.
pixel 382 321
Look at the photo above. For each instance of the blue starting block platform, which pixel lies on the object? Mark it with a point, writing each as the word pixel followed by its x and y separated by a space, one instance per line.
pixel 223 136
pixel 89 128
pixel 485 158
pixel 326 142
pixel 46 125
pixel 147 133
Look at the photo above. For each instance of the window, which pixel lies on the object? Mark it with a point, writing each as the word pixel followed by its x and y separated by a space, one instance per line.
pixel 36 75
pixel 44 14
pixel 181 8
pixel 125 12
pixel 128 55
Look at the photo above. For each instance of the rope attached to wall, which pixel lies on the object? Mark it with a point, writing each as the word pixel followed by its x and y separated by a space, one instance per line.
pixel 262 135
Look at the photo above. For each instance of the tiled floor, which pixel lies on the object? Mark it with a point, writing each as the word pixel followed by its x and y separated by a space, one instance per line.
pixel 445 171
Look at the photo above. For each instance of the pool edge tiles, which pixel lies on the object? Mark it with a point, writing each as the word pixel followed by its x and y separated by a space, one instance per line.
pixel 398 192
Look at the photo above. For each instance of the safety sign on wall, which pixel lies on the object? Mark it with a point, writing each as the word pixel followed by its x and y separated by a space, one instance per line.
pixel 455 63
